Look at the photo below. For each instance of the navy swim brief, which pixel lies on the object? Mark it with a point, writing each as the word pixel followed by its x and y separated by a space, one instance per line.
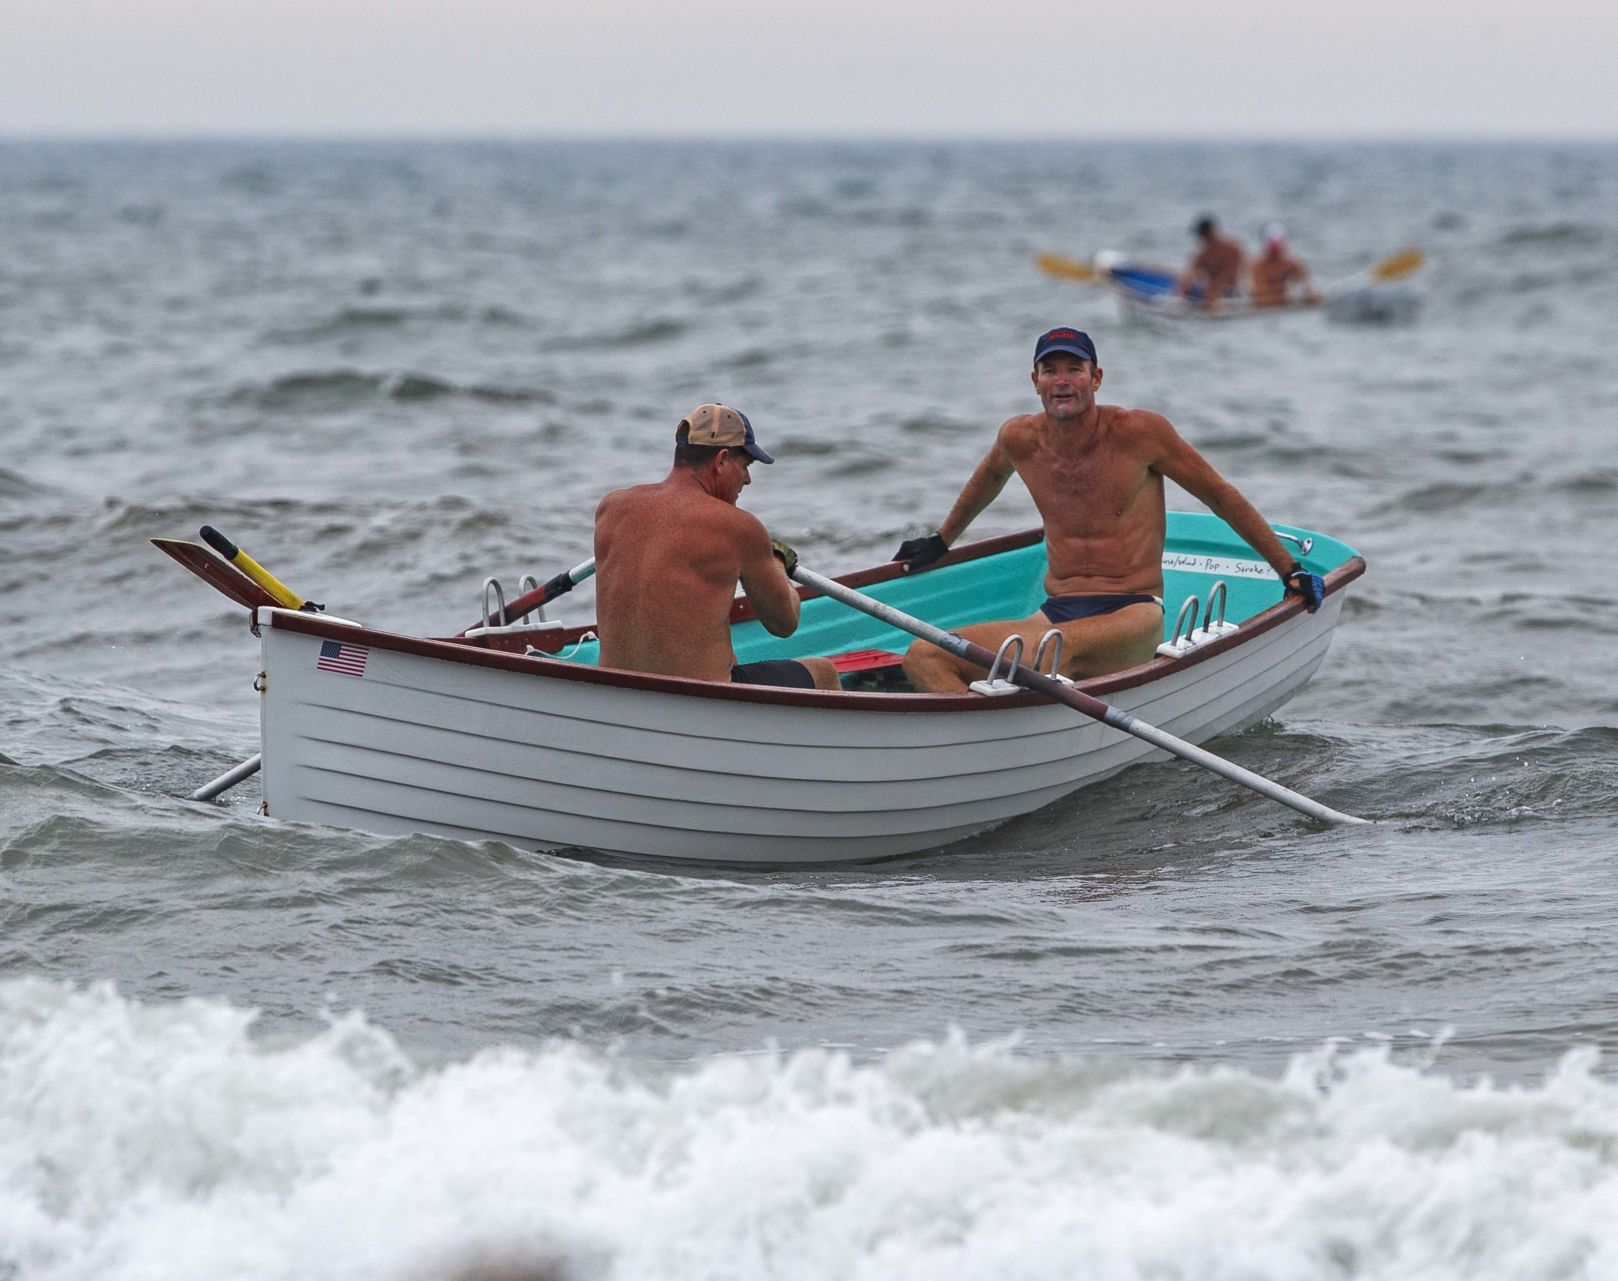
pixel 774 671
pixel 1064 609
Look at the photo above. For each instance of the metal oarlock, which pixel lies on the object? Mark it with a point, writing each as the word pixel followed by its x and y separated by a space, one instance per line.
pixel 1304 544
pixel 1186 635
pixel 491 621
pixel 1051 640
pixel 1179 641
pixel 1007 658
pixel 494 612
pixel 530 583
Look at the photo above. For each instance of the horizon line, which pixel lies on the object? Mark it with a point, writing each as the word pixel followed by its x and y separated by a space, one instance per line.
pixel 408 135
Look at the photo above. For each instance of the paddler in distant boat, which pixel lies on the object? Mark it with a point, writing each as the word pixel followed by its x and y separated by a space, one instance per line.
pixel 669 557
pixel 1276 271
pixel 1215 270
pixel 1096 474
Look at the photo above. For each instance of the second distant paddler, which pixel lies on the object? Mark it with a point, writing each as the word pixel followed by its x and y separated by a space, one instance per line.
pixel 1279 277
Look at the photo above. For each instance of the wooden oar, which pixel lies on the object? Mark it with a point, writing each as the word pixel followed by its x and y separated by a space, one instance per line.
pixel 1067 268
pixel 1074 698
pixel 545 594
pixel 284 595
pixel 218 574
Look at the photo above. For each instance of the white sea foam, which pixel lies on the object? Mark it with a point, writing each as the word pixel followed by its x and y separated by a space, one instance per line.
pixel 166 1141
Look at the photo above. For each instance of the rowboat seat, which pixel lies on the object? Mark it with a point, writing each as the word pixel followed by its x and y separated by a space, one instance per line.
pixel 869 668
pixel 865 660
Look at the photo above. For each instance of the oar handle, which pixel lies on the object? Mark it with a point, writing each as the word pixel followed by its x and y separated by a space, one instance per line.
pixel 283 594
pixel 1075 698
pixel 566 582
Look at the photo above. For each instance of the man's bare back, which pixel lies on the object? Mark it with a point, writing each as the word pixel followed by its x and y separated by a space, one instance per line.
pixel 1215 269
pixel 669 557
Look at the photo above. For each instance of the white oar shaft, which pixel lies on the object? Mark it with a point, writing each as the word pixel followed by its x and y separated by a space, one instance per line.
pixel 229 779
pixel 1077 699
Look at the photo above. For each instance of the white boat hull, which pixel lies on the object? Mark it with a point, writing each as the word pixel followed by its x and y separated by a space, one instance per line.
pixel 431 739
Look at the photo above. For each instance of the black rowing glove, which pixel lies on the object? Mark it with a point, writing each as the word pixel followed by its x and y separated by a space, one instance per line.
pixel 784 552
pixel 1300 582
pixel 918 553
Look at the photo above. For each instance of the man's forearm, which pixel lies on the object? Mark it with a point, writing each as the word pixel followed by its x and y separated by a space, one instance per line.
pixel 980 491
pixel 1246 520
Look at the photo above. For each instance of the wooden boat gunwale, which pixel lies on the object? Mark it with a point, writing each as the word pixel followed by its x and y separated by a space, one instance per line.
pixel 476 652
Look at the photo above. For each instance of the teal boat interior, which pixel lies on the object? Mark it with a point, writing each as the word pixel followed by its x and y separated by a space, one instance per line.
pixel 1200 550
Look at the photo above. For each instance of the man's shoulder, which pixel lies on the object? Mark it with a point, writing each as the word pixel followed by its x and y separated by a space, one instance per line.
pixel 1137 426
pixel 1020 429
pixel 1130 418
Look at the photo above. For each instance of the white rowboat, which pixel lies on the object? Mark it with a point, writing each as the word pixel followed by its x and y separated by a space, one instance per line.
pixel 472 737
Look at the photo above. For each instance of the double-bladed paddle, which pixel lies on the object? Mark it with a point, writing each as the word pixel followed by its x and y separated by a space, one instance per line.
pixel 1407 262
pixel 1068 268
pixel 1396 266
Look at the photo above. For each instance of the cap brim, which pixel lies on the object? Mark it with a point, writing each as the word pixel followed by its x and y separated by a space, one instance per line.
pixel 756 452
pixel 1054 348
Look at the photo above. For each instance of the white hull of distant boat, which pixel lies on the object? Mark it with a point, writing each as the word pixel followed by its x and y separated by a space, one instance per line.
pixel 1146 292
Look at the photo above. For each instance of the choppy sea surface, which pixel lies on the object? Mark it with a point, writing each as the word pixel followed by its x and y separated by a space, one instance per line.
pixel 1158 1030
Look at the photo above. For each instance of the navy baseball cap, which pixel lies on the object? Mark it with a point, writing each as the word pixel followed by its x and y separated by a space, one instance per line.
pixel 722 425
pixel 1073 341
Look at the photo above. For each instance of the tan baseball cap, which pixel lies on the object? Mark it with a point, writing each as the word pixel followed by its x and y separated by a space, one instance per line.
pixel 722 426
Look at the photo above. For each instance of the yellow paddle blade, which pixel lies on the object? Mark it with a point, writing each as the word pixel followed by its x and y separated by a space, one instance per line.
pixel 1067 268
pixel 1397 266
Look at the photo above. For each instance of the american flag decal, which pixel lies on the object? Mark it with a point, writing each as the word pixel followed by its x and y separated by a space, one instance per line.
pixel 337 657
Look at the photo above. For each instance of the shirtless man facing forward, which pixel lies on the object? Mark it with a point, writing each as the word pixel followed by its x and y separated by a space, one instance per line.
pixel 1275 271
pixel 669 556
pixel 1215 269
pixel 1096 474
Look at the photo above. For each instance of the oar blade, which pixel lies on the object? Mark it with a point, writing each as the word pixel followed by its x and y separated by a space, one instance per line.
pixel 218 574
pixel 1407 262
pixel 1067 268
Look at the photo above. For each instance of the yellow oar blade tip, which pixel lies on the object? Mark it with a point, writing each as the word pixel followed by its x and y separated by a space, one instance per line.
pixel 1396 266
pixel 1065 268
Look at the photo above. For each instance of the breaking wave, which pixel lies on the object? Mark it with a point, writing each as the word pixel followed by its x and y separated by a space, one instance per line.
pixel 170 1140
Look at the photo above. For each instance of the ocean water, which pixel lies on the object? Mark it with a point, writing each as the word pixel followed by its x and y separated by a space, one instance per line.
pixel 1161 1029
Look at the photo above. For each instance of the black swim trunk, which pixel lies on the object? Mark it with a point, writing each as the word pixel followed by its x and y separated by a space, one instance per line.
pixel 1064 609
pixel 775 671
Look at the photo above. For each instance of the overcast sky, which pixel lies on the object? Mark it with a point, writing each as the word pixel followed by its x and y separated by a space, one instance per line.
pixel 1189 68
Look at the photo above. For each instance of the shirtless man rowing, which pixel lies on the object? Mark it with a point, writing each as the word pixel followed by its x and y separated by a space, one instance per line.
pixel 1096 474
pixel 669 556
pixel 1214 272
pixel 1276 271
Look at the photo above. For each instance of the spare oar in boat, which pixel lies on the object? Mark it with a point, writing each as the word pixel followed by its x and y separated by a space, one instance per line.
pixel 1062 692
